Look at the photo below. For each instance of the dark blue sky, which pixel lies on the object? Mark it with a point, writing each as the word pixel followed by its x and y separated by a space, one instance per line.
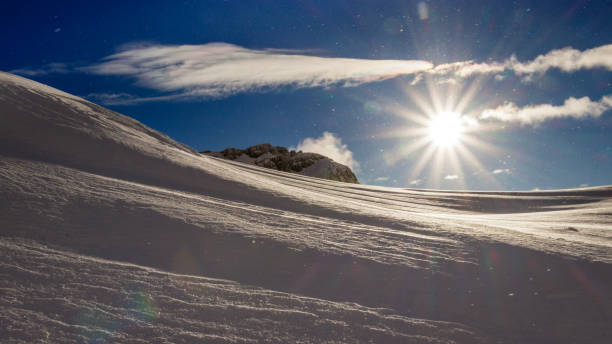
pixel 556 144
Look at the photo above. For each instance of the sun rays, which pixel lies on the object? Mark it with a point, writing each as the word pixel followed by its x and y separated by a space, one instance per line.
pixel 443 133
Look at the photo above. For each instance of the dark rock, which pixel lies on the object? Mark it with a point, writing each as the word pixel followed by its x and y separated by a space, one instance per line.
pixel 231 153
pixel 281 159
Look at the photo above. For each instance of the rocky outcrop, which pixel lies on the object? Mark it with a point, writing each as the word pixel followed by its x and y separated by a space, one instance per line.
pixel 281 159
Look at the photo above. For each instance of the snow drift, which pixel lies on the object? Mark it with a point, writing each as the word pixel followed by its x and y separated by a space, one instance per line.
pixel 111 231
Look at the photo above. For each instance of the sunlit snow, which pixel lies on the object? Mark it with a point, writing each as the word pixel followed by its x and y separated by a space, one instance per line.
pixel 113 232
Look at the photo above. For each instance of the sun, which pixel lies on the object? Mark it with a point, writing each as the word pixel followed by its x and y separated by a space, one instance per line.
pixel 446 129
pixel 442 135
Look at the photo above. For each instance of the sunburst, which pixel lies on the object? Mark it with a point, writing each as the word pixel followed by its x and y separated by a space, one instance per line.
pixel 443 131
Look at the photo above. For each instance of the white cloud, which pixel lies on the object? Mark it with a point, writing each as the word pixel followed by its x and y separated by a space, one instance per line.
pixel 572 107
pixel 466 69
pixel 331 146
pixel 501 170
pixel 221 69
pixel 566 59
pixel 451 177
pixel 415 182
pixel 381 179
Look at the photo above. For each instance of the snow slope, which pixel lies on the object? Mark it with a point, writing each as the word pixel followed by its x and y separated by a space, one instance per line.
pixel 95 203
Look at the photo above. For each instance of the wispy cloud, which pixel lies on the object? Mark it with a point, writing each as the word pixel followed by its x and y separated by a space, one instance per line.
pixel 415 182
pixel 128 99
pixel 565 59
pixel 381 179
pixel 331 146
pixel 464 69
pixel 451 177
pixel 111 98
pixel 532 114
pixel 51 68
pixel 501 170
pixel 221 69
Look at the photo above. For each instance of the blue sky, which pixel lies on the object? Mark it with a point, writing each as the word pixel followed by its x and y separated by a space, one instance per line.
pixel 529 81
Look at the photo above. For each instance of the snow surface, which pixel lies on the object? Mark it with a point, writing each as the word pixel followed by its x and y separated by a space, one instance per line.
pixel 72 298
pixel 111 231
pixel 324 167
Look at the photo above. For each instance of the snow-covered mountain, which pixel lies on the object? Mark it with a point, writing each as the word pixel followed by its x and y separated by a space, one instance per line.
pixel 281 159
pixel 113 232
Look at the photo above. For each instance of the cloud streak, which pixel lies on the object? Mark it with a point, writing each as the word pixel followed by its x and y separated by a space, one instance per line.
pixel 566 59
pixel 51 68
pixel 216 70
pixel 129 99
pixel 533 114
pixel 221 69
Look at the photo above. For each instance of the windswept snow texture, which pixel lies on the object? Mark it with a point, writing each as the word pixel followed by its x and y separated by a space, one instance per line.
pixel 113 232
pixel 54 296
